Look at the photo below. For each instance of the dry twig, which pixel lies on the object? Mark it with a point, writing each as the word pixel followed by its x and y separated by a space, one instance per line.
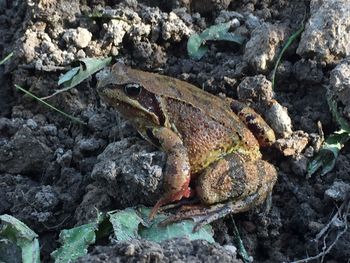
pixel 339 220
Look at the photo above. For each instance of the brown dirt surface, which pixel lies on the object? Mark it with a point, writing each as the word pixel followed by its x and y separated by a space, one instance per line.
pixel 54 173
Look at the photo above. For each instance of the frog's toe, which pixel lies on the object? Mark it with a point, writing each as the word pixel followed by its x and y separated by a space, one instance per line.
pixel 206 215
pixel 199 214
pixel 172 197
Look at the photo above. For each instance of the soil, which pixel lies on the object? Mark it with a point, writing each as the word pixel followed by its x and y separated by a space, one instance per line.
pixel 55 173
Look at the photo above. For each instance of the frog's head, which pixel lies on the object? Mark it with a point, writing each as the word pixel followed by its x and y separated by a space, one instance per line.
pixel 126 90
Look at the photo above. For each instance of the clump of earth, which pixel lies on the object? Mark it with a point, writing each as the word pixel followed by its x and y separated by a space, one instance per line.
pixel 55 173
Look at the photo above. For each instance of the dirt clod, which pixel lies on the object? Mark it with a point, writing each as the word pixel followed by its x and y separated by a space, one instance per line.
pixel 56 174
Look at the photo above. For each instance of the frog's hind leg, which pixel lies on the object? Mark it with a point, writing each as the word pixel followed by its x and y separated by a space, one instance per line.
pixel 230 185
pixel 255 123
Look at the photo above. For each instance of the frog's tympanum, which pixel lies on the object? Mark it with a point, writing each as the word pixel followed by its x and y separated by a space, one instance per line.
pixel 214 140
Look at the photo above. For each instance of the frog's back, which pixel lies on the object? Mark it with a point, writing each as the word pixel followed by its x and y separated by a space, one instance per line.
pixel 183 91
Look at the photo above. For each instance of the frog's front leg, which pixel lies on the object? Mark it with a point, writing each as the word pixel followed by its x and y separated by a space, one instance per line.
pixel 230 185
pixel 177 171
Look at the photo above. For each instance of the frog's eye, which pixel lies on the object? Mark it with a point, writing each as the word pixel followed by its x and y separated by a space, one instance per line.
pixel 132 89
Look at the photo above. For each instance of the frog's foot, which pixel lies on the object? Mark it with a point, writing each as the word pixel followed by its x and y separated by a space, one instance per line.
pixel 169 199
pixel 183 204
pixel 206 215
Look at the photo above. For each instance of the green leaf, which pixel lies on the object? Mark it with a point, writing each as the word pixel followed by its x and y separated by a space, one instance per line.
pixel 125 223
pixel 329 152
pixel 75 76
pixel 285 47
pixel 75 241
pixel 6 58
pixel 133 223
pixel 49 105
pixel 241 248
pixel 195 48
pixel 15 231
pixel 68 75
pixel 333 106
pixel 180 229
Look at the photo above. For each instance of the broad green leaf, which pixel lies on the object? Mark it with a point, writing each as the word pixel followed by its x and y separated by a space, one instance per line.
pixel 133 223
pixel 75 76
pixel 194 47
pixel 75 241
pixel 180 229
pixel 196 42
pixel 125 224
pixel 15 231
pixel 68 75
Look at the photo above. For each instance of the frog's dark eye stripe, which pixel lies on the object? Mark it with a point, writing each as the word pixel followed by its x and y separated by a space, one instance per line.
pixel 133 89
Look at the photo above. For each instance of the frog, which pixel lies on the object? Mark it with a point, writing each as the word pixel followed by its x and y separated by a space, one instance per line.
pixel 213 144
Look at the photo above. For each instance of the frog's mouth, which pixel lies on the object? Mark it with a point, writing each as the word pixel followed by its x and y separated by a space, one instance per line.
pixel 128 107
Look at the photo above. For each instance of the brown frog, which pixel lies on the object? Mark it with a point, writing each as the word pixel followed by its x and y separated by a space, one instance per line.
pixel 215 140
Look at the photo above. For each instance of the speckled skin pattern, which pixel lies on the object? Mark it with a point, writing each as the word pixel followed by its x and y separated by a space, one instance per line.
pixel 203 135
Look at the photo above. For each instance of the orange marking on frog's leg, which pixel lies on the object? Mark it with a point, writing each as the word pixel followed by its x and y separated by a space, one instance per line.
pixel 177 173
pixel 185 191
pixel 256 124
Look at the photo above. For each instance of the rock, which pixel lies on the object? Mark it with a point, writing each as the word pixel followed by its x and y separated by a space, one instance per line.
pixel 326 37
pixel 338 191
pixel 173 250
pixel 299 165
pixel 252 22
pixel 95 199
pixel 339 87
pixel 130 171
pixel 71 186
pixel 64 158
pixel 277 116
pixel 231 248
pixel 32 124
pixel 49 129
pixel 46 197
pixel 308 71
pixel 86 145
pixel 175 29
pixel 80 37
pixel 8 127
pixel 263 46
pixel 226 16
pixel 24 154
pixel 258 90
pixel 209 6
pixel 115 30
pixel 30 44
pixel 294 144
pixel 255 88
